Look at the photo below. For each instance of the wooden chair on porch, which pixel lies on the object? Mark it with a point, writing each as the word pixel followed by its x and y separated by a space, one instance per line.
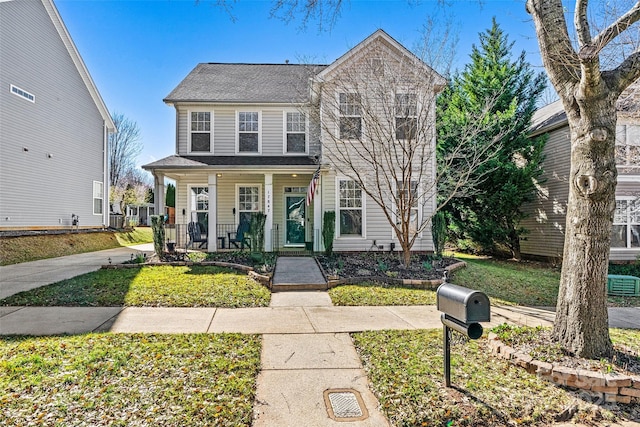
pixel 196 235
pixel 240 238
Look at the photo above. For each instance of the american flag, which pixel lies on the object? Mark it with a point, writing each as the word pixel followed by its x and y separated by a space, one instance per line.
pixel 311 190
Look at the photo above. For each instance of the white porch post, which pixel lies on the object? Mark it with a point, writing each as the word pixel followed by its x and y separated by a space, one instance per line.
pixel 212 225
pixel 317 217
pixel 158 196
pixel 268 207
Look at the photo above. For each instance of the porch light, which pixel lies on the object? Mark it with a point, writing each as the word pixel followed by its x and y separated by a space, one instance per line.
pixel 218 175
pixel 294 175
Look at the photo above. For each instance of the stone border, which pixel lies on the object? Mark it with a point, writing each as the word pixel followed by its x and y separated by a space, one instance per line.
pixel 606 387
pixel 414 283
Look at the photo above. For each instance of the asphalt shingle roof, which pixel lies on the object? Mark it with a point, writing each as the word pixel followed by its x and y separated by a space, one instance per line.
pixel 175 161
pixel 247 83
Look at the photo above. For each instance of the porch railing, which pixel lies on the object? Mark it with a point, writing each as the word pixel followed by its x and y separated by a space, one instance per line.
pixel 178 235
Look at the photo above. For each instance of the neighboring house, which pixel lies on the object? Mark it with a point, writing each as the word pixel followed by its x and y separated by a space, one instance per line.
pixel 53 125
pixel 547 215
pixel 249 139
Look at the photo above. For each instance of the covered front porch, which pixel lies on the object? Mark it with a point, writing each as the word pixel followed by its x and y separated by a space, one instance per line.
pixel 214 209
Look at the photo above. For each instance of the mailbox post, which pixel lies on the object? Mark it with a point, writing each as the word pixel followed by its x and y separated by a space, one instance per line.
pixel 462 310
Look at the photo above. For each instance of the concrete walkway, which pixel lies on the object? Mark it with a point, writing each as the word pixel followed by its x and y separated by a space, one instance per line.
pixel 311 372
pixel 29 275
pixel 297 274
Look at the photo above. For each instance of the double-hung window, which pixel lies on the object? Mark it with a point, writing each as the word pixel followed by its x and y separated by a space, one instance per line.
pixel 350 207
pixel 628 149
pixel 248 202
pixel 407 204
pixel 625 232
pixel 406 116
pixel 248 132
pixel 200 206
pixel 200 131
pixel 296 132
pixel 350 116
pixel 98 197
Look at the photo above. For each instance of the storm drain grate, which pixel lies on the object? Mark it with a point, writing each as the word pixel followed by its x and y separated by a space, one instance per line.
pixel 345 405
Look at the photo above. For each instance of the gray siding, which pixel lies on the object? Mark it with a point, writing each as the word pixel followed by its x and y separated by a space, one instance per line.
pixel 547 214
pixel 224 129
pixel 546 221
pixel 62 130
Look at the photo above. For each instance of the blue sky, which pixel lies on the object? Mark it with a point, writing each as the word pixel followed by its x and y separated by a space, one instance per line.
pixel 138 51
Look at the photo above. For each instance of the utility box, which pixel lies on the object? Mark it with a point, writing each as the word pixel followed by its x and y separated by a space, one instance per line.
pixel 623 285
pixel 464 304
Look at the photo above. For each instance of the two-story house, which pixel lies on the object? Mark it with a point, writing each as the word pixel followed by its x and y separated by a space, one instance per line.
pixel 255 137
pixel 53 125
pixel 547 214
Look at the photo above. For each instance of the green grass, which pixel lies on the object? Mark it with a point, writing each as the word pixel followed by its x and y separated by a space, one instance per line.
pixel 510 282
pixel 157 286
pixel 124 380
pixel 14 250
pixel 406 372
pixel 380 294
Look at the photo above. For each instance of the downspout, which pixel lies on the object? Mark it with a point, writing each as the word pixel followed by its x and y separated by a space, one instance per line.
pixel 105 166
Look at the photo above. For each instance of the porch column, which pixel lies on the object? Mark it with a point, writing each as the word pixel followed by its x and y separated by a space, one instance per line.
pixel 317 217
pixel 212 225
pixel 158 196
pixel 268 207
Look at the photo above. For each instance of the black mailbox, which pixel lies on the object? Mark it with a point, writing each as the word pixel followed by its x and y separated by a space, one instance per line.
pixel 462 308
pixel 463 304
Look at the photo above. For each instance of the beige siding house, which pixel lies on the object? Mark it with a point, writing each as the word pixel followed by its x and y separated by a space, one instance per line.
pixel 250 138
pixel 546 221
pixel 53 125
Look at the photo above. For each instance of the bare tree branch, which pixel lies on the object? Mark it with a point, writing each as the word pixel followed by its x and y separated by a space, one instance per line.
pixel 582 23
pixel 590 49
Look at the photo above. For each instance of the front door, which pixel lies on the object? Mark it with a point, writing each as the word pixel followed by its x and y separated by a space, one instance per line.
pixel 294 220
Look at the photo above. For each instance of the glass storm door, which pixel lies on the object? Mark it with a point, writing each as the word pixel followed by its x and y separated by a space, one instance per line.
pixel 294 220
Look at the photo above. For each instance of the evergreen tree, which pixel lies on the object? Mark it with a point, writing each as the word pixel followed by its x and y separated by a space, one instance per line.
pixel 510 89
pixel 170 198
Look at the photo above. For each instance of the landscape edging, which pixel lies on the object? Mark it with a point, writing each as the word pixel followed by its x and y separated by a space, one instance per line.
pixel 414 283
pixel 606 387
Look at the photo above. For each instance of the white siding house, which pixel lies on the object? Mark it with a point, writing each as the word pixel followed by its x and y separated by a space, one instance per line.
pixel 249 138
pixel 53 125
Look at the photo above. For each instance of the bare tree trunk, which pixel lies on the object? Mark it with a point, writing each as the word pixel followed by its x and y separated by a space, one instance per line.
pixel 581 324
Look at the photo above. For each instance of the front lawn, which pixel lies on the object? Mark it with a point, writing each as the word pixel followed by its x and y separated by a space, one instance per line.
pixel 129 380
pixel 150 286
pixel 375 293
pixel 406 372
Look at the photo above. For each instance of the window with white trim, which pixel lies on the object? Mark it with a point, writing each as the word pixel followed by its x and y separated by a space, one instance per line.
pixel 98 197
pixel 350 116
pixel 625 232
pixel 248 132
pixel 199 205
pixel 248 202
pixel 350 208
pixel 200 131
pixel 296 132
pixel 628 148
pixel 406 116
pixel 407 195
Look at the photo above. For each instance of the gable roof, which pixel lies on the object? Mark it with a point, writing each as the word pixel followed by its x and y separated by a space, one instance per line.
pixel 547 118
pixel 245 83
pixel 52 11
pixel 381 36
